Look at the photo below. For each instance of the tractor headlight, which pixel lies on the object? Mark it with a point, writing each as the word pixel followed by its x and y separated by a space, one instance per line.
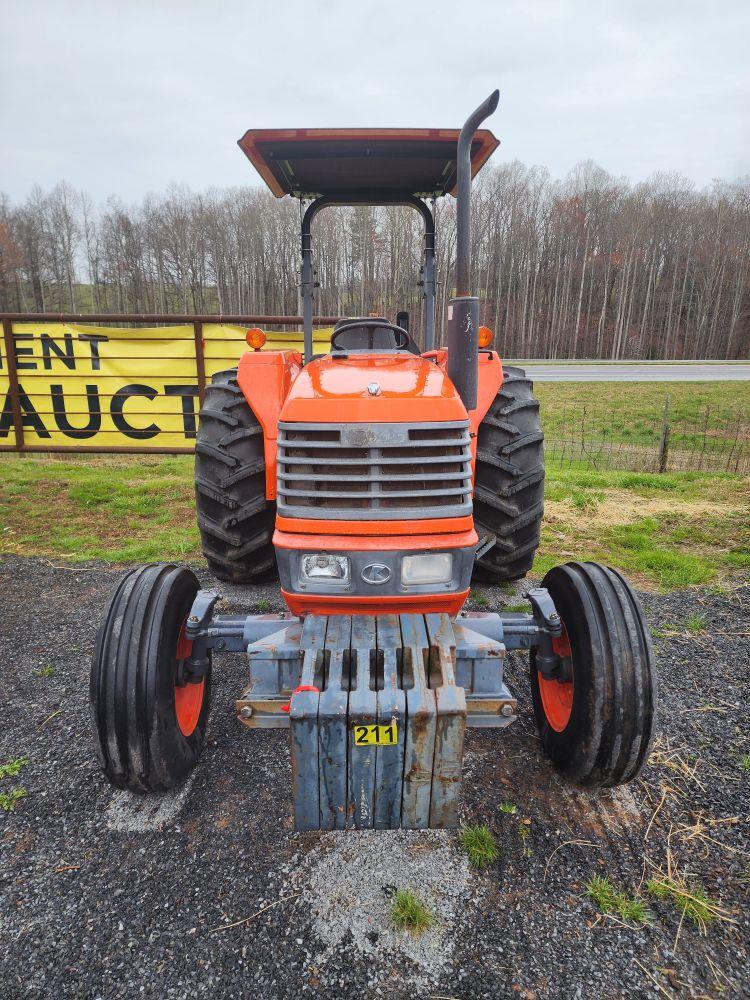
pixel 321 567
pixel 432 567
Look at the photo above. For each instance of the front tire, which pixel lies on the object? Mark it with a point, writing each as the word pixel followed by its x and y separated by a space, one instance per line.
pixel 509 481
pixel 598 727
pixel 149 730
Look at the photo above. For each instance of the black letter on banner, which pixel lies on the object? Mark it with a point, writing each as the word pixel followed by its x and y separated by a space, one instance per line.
pixel 61 417
pixel 118 401
pixel 188 394
pixel 66 355
pixel 25 351
pixel 29 415
pixel 93 341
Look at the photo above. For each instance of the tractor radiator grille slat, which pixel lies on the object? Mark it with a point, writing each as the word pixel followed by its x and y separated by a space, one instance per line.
pixel 374 471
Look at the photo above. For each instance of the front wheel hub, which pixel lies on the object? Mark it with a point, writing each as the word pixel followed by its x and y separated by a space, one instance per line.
pixel 557 692
pixel 188 695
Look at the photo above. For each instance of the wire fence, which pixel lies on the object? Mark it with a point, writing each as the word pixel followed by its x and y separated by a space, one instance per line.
pixel 592 437
pixel 67 386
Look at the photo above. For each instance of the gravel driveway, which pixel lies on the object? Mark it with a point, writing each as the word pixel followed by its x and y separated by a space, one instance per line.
pixel 106 895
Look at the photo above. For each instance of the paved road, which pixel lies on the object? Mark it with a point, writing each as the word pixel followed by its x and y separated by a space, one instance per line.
pixel 650 371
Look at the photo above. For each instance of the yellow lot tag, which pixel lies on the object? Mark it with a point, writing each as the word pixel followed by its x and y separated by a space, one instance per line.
pixel 367 736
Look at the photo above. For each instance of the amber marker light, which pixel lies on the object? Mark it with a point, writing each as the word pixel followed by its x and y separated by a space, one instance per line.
pixel 255 338
pixel 485 336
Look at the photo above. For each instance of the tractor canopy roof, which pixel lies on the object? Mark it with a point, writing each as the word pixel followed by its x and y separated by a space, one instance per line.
pixel 344 162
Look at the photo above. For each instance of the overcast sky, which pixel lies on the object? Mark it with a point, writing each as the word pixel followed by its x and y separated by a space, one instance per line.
pixel 127 97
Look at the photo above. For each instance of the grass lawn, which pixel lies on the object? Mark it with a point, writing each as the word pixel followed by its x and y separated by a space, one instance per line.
pixel 672 530
pixel 619 424
pixel 666 531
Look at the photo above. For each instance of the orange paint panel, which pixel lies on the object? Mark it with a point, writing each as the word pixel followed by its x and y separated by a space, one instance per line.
pixel 327 604
pixel 489 383
pixel 433 526
pixel 265 378
pixel 410 389
pixel 373 543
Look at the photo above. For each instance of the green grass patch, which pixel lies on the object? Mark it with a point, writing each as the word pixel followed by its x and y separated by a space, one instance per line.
pixel 479 845
pixel 612 901
pixel 13 768
pixel 630 413
pixel 695 623
pixel 9 800
pixel 409 913
pixel 113 508
pixel 479 598
pixel 665 531
pixel 689 898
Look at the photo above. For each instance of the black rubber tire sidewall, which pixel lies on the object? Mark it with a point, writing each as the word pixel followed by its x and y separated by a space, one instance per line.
pixel 132 682
pixel 172 753
pixel 608 737
pixel 568 749
pixel 509 480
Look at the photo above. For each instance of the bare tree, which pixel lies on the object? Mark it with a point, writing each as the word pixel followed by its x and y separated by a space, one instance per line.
pixel 590 266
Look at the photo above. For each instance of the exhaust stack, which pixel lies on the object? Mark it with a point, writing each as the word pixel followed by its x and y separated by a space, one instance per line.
pixel 463 309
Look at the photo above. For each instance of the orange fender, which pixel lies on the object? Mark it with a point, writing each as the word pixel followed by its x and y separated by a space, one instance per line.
pixel 265 378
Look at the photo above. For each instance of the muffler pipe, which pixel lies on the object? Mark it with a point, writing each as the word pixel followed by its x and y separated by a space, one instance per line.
pixel 463 308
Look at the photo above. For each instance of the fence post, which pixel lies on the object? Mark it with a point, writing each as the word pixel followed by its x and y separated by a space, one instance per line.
pixel 664 443
pixel 200 360
pixel 15 401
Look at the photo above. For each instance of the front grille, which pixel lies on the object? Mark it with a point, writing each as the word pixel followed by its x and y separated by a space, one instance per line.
pixel 374 471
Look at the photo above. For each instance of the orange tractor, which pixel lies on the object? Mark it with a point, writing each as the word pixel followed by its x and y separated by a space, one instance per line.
pixel 378 479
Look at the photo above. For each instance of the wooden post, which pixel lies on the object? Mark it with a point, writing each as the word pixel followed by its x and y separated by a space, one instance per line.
pixel 664 442
pixel 15 401
pixel 200 360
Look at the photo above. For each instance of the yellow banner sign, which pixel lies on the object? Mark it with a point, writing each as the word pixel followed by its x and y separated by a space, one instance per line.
pixel 102 387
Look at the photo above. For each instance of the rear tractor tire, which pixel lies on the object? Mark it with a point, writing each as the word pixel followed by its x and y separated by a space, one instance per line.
pixel 149 727
pixel 597 726
pixel 509 481
pixel 235 519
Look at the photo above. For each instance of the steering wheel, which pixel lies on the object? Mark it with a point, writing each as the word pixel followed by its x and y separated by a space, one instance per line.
pixel 402 337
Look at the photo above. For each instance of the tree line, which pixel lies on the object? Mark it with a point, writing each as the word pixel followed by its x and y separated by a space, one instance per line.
pixel 588 266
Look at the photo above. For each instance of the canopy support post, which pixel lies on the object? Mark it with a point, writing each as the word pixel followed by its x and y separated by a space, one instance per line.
pixel 308 272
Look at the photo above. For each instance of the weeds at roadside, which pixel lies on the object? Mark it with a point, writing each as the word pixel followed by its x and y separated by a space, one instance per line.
pixel 745 762
pixel 409 913
pixel 612 901
pixel 516 607
pixel 48 671
pixel 686 894
pixel 680 761
pixel 585 501
pixel 524 832
pixel 480 846
pixel 688 897
pixel 262 605
pixel 13 768
pixel 695 623
pixel 9 799
pixel 480 599
pixel 508 808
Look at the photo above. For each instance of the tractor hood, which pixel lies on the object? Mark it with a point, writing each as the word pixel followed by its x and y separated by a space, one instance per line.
pixel 372 388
